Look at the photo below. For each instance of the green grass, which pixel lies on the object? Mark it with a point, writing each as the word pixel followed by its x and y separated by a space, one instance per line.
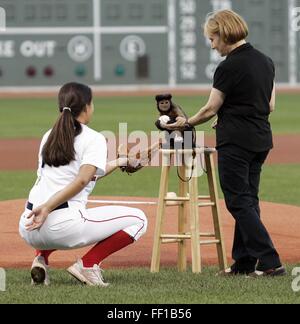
pixel 280 183
pixel 285 119
pixel 30 118
pixel 16 184
pixel 139 286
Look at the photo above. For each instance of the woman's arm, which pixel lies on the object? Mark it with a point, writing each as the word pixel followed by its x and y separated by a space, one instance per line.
pixel 126 158
pixel 114 165
pixel 215 102
pixel 40 214
pixel 273 99
pixel 122 160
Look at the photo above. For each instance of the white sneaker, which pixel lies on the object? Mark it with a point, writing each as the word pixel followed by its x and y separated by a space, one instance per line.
pixel 88 276
pixel 39 272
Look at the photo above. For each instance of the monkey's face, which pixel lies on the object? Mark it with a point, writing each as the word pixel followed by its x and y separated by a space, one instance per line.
pixel 164 105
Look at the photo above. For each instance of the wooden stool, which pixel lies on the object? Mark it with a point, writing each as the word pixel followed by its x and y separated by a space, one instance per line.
pixel 188 203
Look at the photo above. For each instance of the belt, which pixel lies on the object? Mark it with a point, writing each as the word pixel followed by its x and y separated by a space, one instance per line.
pixel 64 205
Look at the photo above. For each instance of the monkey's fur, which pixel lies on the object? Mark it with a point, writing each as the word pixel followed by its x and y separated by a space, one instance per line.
pixel 166 107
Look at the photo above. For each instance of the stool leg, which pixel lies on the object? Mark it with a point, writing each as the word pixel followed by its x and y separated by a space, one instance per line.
pixel 195 230
pixel 213 190
pixel 155 263
pixel 182 217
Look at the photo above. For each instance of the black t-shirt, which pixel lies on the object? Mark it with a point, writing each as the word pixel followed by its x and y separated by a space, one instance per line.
pixel 246 77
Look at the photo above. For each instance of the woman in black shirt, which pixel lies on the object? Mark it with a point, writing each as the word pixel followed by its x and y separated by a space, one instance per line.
pixel 243 95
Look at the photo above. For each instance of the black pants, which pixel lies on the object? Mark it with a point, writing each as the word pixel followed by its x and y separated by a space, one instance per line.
pixel 239 172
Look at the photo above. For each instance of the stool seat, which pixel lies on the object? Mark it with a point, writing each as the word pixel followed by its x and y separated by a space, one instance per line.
pixel 188 202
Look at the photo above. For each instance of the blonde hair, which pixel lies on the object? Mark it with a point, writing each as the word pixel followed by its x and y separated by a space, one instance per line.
pixel 230 26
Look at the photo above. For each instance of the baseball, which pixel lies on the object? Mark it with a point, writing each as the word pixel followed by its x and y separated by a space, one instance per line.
pixel 172 195
pixel 164 119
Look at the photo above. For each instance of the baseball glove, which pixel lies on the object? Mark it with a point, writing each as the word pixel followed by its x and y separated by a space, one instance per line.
pixel 136 162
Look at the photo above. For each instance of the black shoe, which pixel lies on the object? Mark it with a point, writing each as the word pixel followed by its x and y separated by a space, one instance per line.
pixel 277 272
pixel 234 271
pixel 243 268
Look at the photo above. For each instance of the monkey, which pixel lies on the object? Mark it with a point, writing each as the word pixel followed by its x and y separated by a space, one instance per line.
pixel 169 111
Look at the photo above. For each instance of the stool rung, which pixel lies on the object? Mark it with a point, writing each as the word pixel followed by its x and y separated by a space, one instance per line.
pixel 185 151
pixel 180 237
pixel 208 242
pixel 208 234
pixel 209 150
pixel 206 204
pixel 204 197
pixel 176 236
pixel 203 234
pixel 172 204
pixel 178 199
pixel 166 241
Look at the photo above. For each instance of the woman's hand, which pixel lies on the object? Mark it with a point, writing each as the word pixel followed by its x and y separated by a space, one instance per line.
pixel 38 217
pixel 179 125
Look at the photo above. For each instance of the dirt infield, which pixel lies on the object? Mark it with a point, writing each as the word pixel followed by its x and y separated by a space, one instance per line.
pixel 283 222
pixel 17 154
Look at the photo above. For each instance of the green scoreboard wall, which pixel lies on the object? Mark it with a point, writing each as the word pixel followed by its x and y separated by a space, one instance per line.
pixel 134 42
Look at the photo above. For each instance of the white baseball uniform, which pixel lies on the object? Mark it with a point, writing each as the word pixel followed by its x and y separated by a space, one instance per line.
pixel 75 226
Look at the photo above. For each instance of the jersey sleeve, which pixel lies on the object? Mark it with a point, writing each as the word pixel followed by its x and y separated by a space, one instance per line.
pixel 96 154
pixel 223 80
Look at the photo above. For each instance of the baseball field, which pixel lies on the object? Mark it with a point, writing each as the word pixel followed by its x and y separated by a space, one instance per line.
pixel 24 120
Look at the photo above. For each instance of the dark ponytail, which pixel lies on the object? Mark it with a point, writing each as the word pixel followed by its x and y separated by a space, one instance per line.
pixel 59 149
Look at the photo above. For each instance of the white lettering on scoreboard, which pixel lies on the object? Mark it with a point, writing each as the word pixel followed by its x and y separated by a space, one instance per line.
pixel 188 40
pixel 7 49
pixel 38 48
pixel 296 19
pixel 28 49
